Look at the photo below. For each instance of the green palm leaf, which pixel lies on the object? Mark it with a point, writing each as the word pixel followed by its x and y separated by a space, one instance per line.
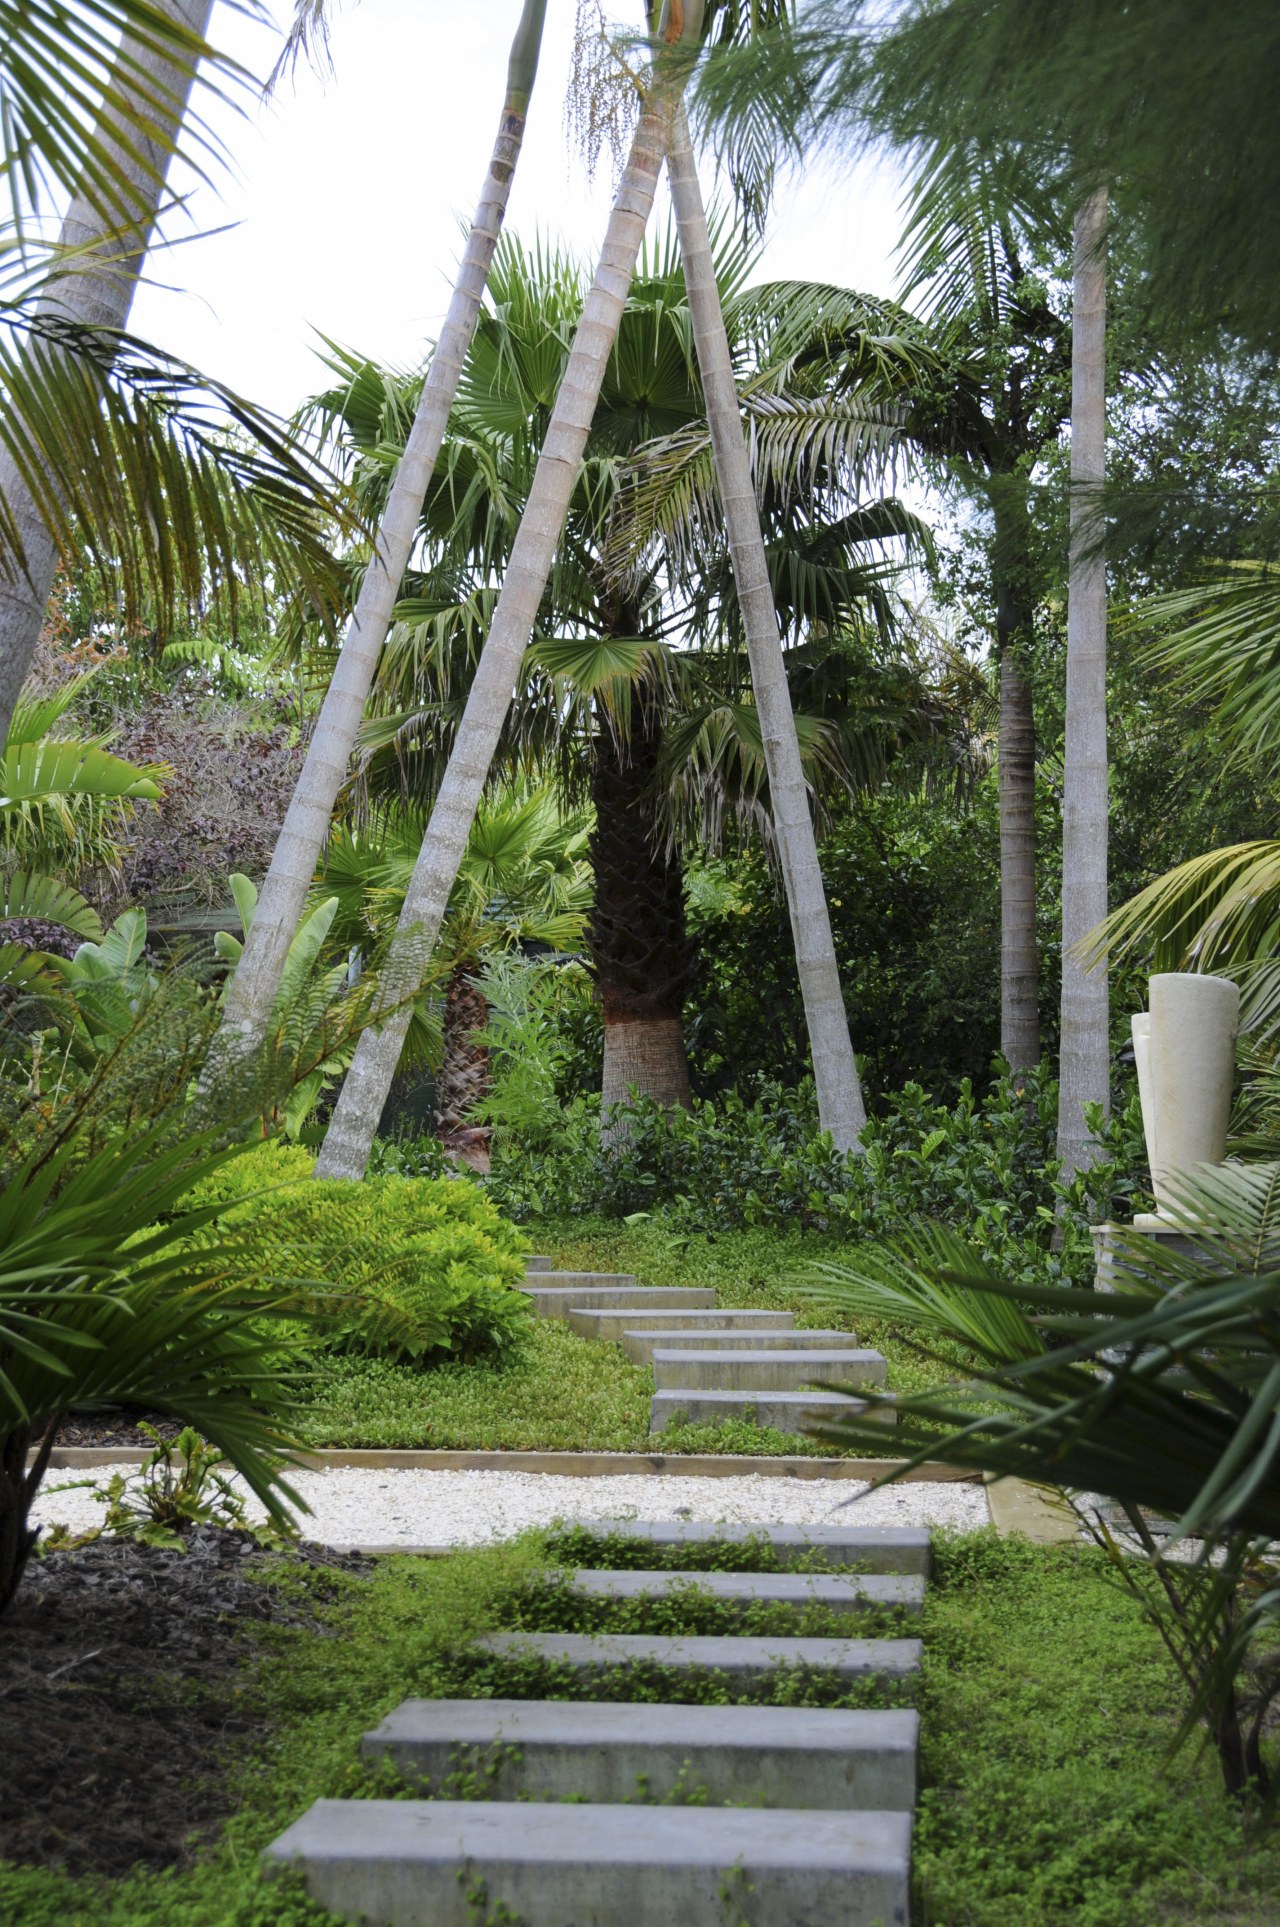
pixel 172 483
pixel 59 61
pixel 47 899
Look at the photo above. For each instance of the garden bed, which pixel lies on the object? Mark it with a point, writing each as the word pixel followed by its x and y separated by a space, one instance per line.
pixel 1047 1708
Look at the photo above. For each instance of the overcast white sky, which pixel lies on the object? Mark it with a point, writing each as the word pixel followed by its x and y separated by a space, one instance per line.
pixel 342 212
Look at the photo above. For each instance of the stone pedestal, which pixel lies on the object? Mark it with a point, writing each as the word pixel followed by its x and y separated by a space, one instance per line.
pixel 1184 1048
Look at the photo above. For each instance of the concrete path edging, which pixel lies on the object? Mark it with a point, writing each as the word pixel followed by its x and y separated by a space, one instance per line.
pixel 693 1465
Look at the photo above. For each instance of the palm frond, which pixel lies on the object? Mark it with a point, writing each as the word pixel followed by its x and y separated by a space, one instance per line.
pixel 1225 649
pixel 61 63
pixel 175 486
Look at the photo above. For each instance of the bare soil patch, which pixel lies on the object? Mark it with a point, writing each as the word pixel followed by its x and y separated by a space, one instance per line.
pixel 122 1669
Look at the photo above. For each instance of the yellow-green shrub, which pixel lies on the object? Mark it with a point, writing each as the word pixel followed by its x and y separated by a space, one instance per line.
pixel 419 1268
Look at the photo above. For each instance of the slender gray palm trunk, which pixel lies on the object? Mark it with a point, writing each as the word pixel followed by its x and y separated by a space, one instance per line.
pixel 346 1148
pixel 252 991
pixel 1086 1055
pixel 1019 957
pixel 96 293
pixel 840 1105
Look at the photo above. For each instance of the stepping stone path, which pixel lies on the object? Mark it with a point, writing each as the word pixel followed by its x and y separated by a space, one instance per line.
pixel 711 1363
pixel 619 1814
pixel 604 1813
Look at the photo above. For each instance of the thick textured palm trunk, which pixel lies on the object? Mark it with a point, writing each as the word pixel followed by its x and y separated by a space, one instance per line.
pixel 346 1148
pixel 1084 1076
pixel 98 293
pixel 281 901
pixel 465 1074
pixel 840 1105
pixel 642 954
pixel 1019 959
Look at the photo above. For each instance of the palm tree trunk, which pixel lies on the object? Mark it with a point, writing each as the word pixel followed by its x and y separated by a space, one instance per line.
pixel 345 1152
pixel 1084 1076
pixel 1019 960
pixel 252 991
pixel 840 1106
pixel 97 293
pixel 642 955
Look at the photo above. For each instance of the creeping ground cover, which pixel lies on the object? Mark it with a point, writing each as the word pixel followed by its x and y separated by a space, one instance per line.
pixel 1047 1705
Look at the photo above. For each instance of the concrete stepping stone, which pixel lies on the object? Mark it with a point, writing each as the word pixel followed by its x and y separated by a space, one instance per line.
pixel 782 1411
pixel 591 1322
pixel 748 1657
pixel 772 1756
pixel 429 1863
pixel 839 1592
pixel 640 1345
pixel 538 1261
pixel 772 1370
pixel 869 1548
pixel 553 1299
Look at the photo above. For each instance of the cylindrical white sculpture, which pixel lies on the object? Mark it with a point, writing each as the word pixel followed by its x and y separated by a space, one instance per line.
pixel 1190 1065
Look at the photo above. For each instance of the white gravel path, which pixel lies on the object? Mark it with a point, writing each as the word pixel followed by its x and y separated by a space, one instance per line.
pixel 361 1507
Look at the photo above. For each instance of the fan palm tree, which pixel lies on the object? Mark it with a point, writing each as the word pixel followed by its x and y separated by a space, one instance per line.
pixel 645 724
pixel 355 1118
pixel 252 989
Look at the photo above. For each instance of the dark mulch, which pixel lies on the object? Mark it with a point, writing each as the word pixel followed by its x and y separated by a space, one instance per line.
pixel 110 1427
pixel 119 1665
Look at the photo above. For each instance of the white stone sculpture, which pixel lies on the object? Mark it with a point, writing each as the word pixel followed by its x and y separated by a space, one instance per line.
pixel 1184 1048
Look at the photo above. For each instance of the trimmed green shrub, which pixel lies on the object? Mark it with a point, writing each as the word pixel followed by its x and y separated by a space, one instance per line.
pixel 417 1268
pixel 986 1166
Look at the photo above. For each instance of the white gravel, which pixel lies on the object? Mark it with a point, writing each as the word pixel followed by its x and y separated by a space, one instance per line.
pixel 361 1507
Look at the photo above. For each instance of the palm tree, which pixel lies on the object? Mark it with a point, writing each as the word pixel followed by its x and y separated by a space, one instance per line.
pixel 106 442
pixel 993 406
pixel 252 989
pixel 630 713
pixel 359 1107
pixel 1085 1053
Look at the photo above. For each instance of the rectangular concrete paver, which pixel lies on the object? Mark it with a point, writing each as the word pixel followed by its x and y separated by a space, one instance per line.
pixel 768 1370
pixel 838 1592
pixel 640 1343
pixel 772 1756
pixel 745 1658
pixel 400 1863
pixel 590 1322
pixel 783 1411
pixel 554 1298
pixel 867 1548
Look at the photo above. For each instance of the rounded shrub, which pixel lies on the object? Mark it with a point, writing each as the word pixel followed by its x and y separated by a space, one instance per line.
pixel 408 1268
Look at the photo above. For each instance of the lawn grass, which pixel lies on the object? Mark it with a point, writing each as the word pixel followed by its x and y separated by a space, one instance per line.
pixel 563 1393
pixel 1047 1707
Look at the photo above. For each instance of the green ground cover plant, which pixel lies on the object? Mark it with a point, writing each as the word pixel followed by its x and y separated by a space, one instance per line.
pixel 559 1392
pixel 1047 1707
pixel 556 1393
